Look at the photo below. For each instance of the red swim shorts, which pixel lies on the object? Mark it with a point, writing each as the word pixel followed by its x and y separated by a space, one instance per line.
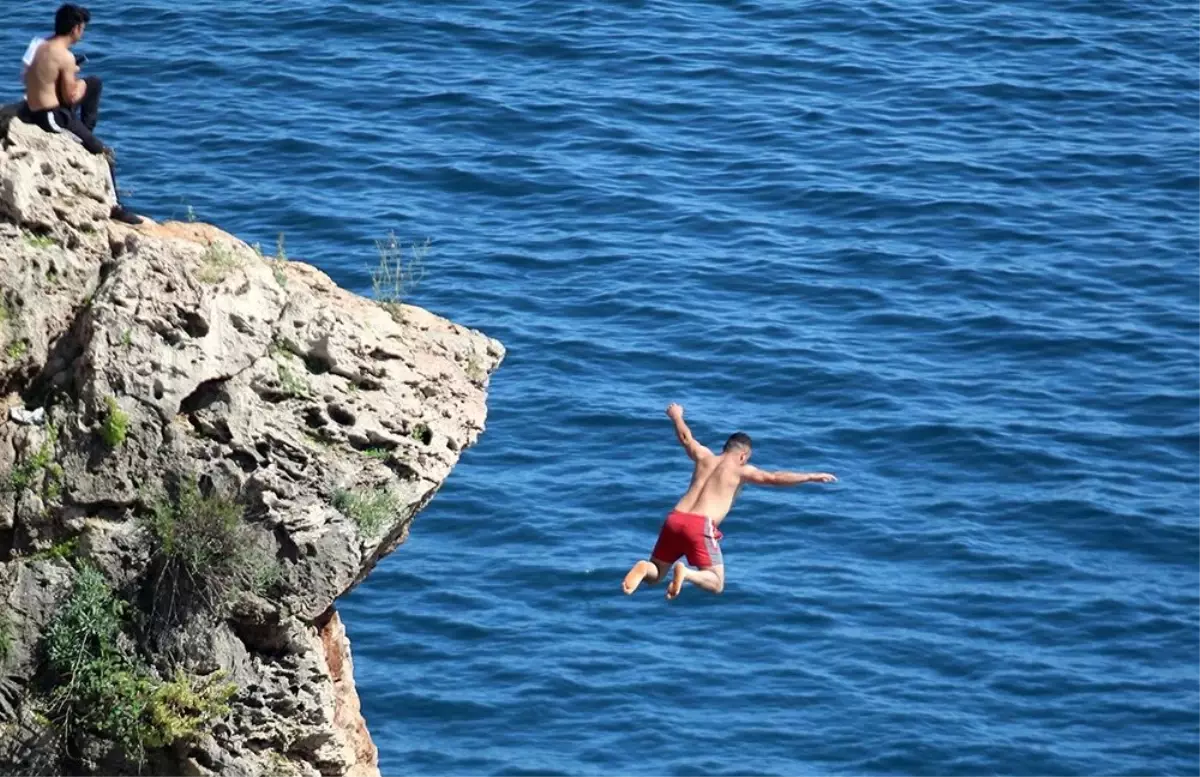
pixel 687 534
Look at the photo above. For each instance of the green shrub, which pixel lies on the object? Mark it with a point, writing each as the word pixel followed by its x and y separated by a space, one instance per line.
pixel 205 554
pixel 98 684
pixel 64 550
pixel 186 705
pixel 370 509
pixel 115 425
pixel 103 687
pixel 380 454
pixel 278 262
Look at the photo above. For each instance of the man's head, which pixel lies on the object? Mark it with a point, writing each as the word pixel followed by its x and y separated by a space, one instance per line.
pixel 70 21
pixel 739 445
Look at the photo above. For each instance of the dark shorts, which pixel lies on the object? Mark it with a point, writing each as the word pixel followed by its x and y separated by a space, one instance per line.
pixel 687 534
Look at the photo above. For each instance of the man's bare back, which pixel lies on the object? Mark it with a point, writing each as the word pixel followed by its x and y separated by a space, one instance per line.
pixel 691 529
pixel 52 75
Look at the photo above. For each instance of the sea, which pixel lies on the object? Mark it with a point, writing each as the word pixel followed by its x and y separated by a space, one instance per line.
pixel 948 250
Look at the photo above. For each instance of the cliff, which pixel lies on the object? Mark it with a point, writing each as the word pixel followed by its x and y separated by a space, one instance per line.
pixel 201 449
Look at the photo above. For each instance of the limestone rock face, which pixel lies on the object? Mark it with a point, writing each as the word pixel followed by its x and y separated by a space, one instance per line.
pixel 249 376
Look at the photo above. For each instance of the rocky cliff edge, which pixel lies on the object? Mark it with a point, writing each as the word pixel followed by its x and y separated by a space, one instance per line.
pixel 201 449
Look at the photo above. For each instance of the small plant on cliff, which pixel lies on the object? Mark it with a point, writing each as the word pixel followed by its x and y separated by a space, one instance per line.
pixel 290 384
pixel 475 371
pixel 216 262
pixel 99 685
pixel 63 551
pixel 395 277
pixel 39 242
pixel 23 475
pixel 369 508
pixel 279 261
pixel 203 554
pixel 186 705
pixel 115 426
pixel 6 638
pixel 422 433
pixel 198 544
pixel 104 687
pixel 16 349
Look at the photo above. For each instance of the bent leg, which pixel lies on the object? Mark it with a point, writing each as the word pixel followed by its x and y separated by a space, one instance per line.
pixel 711 579
pixel 644 571
pixel 89 106
pixel 68 121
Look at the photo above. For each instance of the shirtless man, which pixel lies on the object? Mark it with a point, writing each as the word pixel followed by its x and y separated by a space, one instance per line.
pixel 691 528
pixel 53 92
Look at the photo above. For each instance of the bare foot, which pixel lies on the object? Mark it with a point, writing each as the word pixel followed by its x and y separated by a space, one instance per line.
pixel 678 578
pixel 635 576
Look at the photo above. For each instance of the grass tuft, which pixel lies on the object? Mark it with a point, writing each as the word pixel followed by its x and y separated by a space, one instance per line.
pixel 40 242
pixel 216 263
pixel 396 277
pixel 279 261
pixel 370 509
pixel 204 554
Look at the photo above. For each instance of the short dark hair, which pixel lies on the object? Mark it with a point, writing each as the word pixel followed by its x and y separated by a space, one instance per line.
pixel 69 17
pixel 738 440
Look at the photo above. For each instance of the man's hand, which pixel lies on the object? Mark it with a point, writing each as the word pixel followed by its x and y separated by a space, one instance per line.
pixel 822 477
pixel 674 411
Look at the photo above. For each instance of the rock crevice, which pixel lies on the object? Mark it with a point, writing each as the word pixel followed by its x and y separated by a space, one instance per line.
pixel 136 361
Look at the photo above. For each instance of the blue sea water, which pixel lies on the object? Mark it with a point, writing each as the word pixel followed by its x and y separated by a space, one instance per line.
pixel 947 250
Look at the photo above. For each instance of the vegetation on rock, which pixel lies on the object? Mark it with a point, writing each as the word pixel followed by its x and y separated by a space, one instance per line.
pixel 102 686
pixel 395 278
pixel 216 263
pixel 370 509
pixel 115 425
pixel 24 474
pixel 205 553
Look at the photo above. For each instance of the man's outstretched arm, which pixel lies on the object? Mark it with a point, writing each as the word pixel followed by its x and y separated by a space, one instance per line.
pixel 694 449
pixel 761 477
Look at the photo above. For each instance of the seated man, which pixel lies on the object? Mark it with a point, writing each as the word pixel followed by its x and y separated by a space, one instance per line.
pixel 53 93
